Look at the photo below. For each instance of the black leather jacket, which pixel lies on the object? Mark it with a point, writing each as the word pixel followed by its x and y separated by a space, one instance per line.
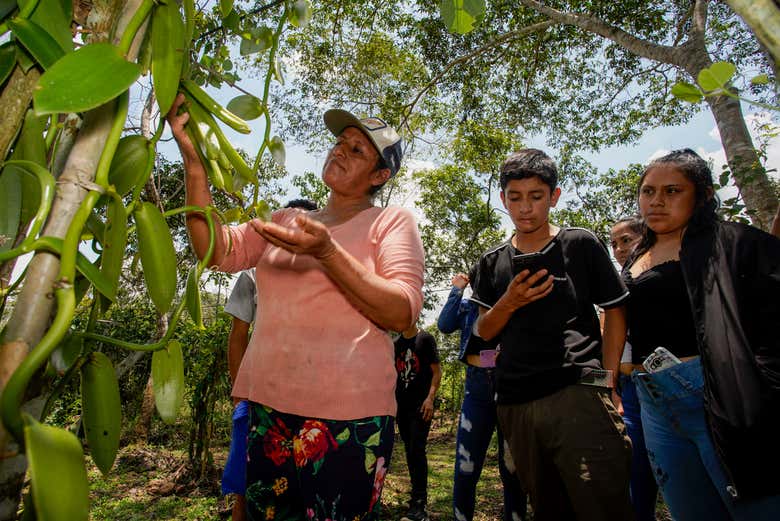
pixel 732 274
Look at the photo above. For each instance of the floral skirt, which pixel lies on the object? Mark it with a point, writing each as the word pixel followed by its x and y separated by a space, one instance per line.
pixel 302 469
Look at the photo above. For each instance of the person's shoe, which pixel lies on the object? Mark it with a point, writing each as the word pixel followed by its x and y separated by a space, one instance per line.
pixel 416 513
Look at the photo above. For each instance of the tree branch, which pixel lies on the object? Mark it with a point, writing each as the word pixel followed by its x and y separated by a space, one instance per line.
pixel 463 59
pixel 638 46
pixel 699 25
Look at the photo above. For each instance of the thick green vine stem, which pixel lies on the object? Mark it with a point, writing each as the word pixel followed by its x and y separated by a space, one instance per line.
pixel 11 400
pixel 135 23
pixel 266 91
pixel 112 141
pixel 13 394
pixel 47 186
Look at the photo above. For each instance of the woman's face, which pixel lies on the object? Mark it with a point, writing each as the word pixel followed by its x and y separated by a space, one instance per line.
pixel 623 240
pixel 351 164
pixel 667 199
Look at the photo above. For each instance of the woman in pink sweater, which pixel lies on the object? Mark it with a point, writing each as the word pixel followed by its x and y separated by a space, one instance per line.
pixel 318 371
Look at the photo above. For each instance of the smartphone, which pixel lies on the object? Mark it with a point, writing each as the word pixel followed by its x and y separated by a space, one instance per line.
pixel 532 262
pixel 659 360
pixel 550 258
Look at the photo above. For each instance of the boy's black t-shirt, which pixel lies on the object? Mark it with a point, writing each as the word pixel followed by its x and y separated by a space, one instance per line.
pixel 546 344
pixel 413 359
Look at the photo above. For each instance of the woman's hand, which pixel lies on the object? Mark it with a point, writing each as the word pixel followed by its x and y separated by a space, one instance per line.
pixel 311 238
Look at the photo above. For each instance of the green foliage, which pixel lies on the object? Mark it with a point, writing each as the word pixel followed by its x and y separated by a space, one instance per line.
pixel 601 198
pixel 84 79
pixel 53 454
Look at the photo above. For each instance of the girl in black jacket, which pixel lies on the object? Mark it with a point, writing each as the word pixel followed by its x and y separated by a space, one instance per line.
pixel 707 291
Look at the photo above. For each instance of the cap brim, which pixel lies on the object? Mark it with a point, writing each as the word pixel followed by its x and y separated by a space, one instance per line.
pixel 337 120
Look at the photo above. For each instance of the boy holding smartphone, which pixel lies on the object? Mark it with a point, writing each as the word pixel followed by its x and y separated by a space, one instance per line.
pixel 556 405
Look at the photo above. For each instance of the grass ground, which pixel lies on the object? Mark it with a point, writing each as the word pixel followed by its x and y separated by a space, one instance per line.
pixel 150 483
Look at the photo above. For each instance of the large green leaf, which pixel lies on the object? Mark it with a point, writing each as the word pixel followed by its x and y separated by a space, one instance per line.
pixel 246 107
pixel 59 478
pixel 10 210
pixel 686 92
pixel 129 164
pixel 168 380
pixel 54 16
pixel 225 6
pixel 7 60
pixel 460 16
pixel 168 45
pixel 257 40
pixel 716 76
pixel 35 39
pixel 30 192
pixel 84 79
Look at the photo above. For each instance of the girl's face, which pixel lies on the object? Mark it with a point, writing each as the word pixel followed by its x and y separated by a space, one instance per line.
pixel 623 240
pixel 667 200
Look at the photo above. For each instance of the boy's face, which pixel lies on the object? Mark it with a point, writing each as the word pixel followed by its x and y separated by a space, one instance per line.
pixel 528 202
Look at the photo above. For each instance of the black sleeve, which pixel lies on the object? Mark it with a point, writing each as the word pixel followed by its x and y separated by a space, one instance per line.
pixel 607 288
pixel 429 348
pixel 484 290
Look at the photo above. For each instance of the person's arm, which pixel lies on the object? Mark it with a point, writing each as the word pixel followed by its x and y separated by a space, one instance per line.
pixel 521 292
pixel 379 299
pixel 776 224
pixel 451 317
pixel 613 342
pixel 238 340
pixel 196 189
pixel 427 406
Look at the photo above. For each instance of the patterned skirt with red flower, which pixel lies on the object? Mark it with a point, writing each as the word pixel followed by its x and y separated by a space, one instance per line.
pixel 310 469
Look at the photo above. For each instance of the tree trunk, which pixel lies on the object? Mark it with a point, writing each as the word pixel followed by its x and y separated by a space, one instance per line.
pixel 763 18
pixel 15 99
pixel 746 170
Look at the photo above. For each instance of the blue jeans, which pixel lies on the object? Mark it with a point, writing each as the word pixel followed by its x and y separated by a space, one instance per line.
pixel 686 466
pixel 644 489
pixel 234 475
pixel 475 429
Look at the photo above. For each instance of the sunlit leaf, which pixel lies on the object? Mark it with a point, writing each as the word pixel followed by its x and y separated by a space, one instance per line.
pixel 686 92
pixel 54 454
pixel 257 40
pixel 84 79
pixel 246 107
pixel 276 146
pixel 300 14
pixel 168 380
pixel 716 76
pixel 461 16
pixel 761 79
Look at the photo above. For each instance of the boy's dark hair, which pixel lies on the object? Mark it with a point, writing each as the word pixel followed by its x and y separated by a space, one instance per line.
pixel 529 162
pixel 303 204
